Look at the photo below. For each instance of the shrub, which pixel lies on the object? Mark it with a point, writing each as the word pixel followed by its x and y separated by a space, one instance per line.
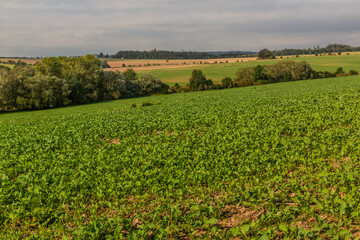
pixel 226 82
pixel 198 81
pixel 339 71
pixel 146 104
pixel 114 85
pixel 353 72
pixel 130 74
pixel 279 72
pixel 148 85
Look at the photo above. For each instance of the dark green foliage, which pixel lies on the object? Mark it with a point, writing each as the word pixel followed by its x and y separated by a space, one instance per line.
pixel 41 92
pixel 317 50
pixel 259 73
pixel 116 86
pixel 130 74
pixel 280 72
pixel 146 104
pixel 353 72
pixel 61 81
pixel 244 77
pixel 326 74
pixel 226 82
pixel 179 89
pixel 339 71
pixel 265 54
pixel 198 81
pixel 161 54
pixel 149 85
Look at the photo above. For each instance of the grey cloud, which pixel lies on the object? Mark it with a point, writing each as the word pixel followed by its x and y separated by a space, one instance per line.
pixel 54 27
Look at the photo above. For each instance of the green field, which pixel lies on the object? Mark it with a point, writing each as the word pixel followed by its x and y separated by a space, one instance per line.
pixel 271 161
pixel 216 72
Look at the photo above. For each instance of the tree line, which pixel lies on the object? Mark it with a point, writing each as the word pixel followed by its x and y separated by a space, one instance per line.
pixel 330 48
pixel 62 81
pixel 285 71
pixel 162 54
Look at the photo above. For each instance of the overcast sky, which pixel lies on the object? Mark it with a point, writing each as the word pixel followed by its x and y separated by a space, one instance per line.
pixel 77 27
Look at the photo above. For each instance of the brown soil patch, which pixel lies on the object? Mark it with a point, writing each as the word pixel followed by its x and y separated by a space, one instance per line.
pixel 111 140
pixel 234 216
pixel 339 163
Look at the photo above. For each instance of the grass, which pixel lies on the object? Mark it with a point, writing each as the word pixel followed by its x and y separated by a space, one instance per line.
pixel 217 72
pixel 271 161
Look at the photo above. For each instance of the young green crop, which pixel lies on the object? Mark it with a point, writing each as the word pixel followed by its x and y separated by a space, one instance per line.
pixel 271 161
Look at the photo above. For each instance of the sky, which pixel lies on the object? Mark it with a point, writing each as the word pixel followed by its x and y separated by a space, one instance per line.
pixel 76 27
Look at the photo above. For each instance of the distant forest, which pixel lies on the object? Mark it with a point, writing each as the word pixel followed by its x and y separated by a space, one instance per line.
pixel 162 54
pixel 330 48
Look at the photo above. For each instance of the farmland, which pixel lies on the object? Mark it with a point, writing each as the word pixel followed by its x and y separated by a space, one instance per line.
pixel 179 71
pixel 271 161
pixel 216 72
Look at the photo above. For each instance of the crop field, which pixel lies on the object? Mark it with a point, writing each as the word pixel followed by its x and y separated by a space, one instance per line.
pixel 216 72
pixel 265 162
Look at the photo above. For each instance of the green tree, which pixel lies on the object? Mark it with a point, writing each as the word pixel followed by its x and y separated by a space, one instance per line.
pixel 198 81
pixel 259 73
pixel 226 82
pixel 130 74
pixel 149 84
pixel 265 54
pixel 339 71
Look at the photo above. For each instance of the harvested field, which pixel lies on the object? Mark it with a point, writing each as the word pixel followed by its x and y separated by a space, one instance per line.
pixel 150 64
pixel 26 60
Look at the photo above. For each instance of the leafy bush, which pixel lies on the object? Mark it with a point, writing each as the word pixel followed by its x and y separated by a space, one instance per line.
pixel 339 71
pixel 22 90
pixel 279 72
pixel 226 82
pixel 149 84
pixel 130 74
pixel 116 86
pixel 198 81
pixel 353 72
pixel 146 104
